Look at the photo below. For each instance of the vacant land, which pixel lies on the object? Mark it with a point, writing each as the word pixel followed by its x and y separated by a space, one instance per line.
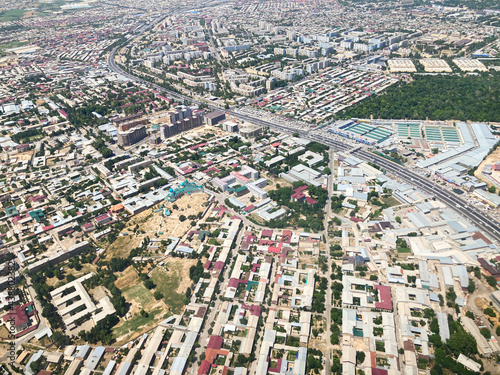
pixel 135 326
pixel 390 201
pixel 21 156
pixel 12 15
pixel 139 294
pixel 173 281
pixel 4 332
pixel 122 246
pixel 187 205
pixel 490 159
pixel 86 268
pixel 139 298
pixel 151 224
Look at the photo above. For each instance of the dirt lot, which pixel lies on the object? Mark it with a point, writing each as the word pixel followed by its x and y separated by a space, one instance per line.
pixel 187 205
pixel 4 332
pixel 482 303
pixel 307 260
pixel 155 225
pixel 99 292
pixel 490 159
pixel 20 157
pixel 126 278
pixel 140 298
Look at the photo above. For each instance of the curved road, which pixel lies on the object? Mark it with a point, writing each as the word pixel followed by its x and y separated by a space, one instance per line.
pixel 479 218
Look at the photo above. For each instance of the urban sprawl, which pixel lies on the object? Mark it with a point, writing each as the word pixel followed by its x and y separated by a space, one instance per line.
pixel 186 188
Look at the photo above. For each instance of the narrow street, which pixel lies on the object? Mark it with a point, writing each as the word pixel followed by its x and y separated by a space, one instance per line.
pixel 204 336
pixel 328 302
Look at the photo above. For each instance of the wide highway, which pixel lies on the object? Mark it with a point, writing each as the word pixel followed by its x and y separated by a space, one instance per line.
pixel 480 219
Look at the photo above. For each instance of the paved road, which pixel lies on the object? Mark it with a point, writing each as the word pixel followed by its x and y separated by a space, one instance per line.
pixel 204 336
pixel 328 302
pixel 480 219
pixel 41 325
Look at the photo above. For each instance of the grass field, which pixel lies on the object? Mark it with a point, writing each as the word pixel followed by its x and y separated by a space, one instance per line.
pixel 168 284
pixel 404 250
pixel 139 298
pixel 390 201
pixel 13 45
pixel 12 15
pixel 257 218
pixel 139 294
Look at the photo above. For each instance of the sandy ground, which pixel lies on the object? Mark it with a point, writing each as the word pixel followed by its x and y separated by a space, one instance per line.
pixel 99 292
pixel 183 265
pixel 490 159
pixel 138 299
pixel 482 303
pixel 21 156
pixel 155 225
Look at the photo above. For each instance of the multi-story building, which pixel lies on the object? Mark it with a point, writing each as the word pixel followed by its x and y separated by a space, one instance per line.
pixel 182 125
pixel 132 136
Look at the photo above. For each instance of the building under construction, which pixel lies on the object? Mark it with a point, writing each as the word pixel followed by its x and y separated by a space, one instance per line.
pixel 132 136
pixel 178 122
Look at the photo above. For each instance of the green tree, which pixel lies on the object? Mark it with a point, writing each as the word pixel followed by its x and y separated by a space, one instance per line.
pixel 471 287
pixel 158 295
pixel 486 333
pixel 360 357
pixel 149 284
pixel 462 342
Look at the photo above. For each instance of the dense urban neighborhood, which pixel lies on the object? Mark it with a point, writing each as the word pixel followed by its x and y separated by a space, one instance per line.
pixel 249 187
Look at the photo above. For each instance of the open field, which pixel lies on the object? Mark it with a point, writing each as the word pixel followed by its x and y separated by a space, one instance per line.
pixel 135 326
pixel 174 282
pixel 257 218
pixel 139 298
pixel 150 224
pixel 12 15
pixel 139 295
pixel 122 246
pixel 126 278
pixel 404 250
pixel 187 205
pixel 86 268
pixel 390 201
pixel 490 159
